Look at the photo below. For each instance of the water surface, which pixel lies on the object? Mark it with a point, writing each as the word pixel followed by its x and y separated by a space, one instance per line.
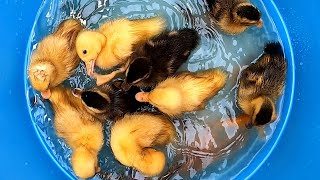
pixel 207 145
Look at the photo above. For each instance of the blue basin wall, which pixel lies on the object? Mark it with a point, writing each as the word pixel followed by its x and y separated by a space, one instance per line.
pixel 23 156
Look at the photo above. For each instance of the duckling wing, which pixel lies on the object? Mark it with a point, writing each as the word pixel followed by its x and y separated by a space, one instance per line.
pixel 170 50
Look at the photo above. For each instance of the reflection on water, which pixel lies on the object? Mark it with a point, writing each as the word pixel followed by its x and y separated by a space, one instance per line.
pixel 206 146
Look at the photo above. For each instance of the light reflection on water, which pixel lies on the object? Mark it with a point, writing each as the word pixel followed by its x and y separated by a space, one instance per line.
pixel 206 146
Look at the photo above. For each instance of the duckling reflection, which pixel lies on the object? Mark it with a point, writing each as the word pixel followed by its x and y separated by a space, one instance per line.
pixel 201 145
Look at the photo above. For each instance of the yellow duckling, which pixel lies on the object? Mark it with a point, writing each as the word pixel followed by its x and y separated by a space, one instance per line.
pixel 261 84
pixel 134 138
pixel 234 16
pixel 113 43
pixel 185 92
pixel 55 58
pixel 81 131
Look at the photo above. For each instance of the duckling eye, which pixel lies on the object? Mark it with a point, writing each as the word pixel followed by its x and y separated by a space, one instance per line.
pixel 84 51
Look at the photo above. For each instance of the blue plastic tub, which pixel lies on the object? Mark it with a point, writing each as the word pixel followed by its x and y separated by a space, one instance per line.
pixel 24 157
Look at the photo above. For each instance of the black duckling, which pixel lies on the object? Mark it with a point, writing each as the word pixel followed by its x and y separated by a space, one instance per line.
pixel 160 57
pixel 234 16
pixel 261 84
pixel 109 101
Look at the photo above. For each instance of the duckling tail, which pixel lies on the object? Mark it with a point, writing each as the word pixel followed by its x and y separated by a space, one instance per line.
pixel 83 162
pixel 190 38
pixel 273 48
pixel 41 73
pixel 69 28
pixel 215 75
pixel 151 162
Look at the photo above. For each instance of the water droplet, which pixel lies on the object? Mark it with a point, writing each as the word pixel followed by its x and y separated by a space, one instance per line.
pixel 234 42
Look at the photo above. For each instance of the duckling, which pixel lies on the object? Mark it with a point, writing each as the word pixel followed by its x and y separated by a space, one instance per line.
pixel 134 138
pixel 185 92
pixel 55 57
pixel 261 84
pixel 113 42
pixel 108 101
pixel 160 57
pixel 81 131
pixel 234 16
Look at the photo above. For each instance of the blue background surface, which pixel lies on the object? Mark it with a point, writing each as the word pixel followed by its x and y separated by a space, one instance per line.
pixel 296 155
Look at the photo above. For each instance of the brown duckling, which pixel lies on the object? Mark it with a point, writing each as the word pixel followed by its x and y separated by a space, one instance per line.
pixel 55 57
pixel 261 84
pixel 82 132
pixel 234 16
pixel 185 92
pixel 113 43
pixel 160 57
pixel 109 101
pixel 134 138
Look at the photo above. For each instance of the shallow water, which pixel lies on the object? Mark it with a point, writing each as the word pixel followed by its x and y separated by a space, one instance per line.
pixel 207 146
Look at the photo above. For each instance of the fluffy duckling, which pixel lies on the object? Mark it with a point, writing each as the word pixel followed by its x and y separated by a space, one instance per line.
pixel 81 131
pixel 261 84
pixel 109 101
pixel 134 138
pixel 55 57
pixel 234 16
pixel 160 57
pixel 185 92
pixel 113 42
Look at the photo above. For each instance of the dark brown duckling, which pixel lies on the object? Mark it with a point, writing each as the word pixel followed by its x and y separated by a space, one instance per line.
pixel 109 101
pixel 234 16
pixel 160 57
pixel 261 84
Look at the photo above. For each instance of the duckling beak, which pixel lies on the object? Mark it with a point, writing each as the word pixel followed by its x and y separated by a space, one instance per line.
pixel 142 97
pixel 249 125
pixel 259 24
pixel 77 92
pixel 46 94
pixel 274 117
pixel 90 67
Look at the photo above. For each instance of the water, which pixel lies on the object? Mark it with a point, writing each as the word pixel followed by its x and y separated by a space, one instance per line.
pixel 207 146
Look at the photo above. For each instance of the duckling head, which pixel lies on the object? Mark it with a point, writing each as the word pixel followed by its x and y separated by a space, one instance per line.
pixel 263 113
pixel 41 75
pixel 247 15
pixel 89 45
pixel 84 163
pixel 93 100
pixel 139 69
